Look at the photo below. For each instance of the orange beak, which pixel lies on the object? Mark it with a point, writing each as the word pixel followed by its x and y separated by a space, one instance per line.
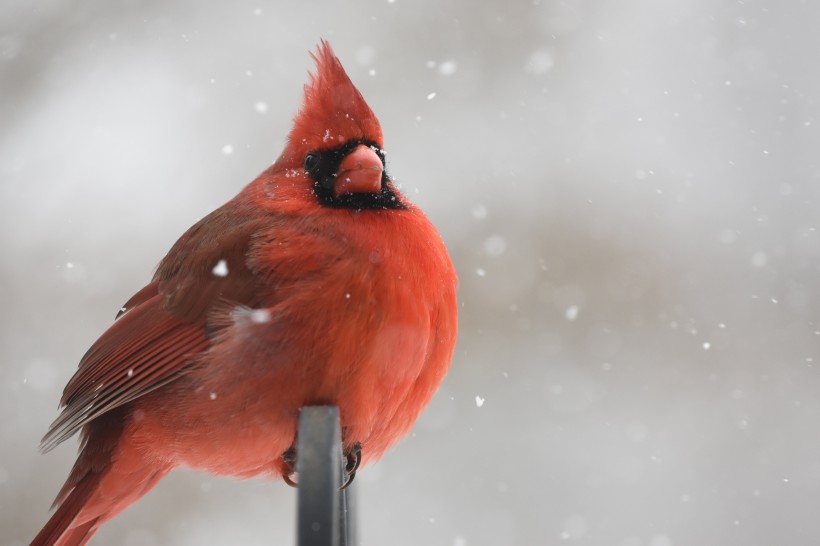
pixel 360 172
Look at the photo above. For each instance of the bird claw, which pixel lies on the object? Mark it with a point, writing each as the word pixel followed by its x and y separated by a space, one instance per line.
pixel 289 458
pixel 353 459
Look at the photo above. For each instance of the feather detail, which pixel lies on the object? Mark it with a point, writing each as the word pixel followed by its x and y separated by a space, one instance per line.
pixel 333 111
pixel 142 351
pixel 162 331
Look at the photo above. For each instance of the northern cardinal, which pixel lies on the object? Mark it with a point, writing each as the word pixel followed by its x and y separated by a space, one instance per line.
pixel 319 283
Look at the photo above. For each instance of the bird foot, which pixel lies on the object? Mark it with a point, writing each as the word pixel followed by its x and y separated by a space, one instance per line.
pixel 353 459
pixel 289 458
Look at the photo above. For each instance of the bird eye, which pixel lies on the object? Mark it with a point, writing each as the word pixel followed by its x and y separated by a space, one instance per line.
pixel 311 162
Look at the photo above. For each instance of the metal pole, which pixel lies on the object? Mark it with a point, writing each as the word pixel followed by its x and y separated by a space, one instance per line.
pixel 322 509
pixel 347 517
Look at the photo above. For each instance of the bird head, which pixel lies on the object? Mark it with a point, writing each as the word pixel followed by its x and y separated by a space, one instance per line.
pixel 336 142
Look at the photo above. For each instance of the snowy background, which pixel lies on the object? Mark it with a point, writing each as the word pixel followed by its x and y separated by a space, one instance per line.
pixel 630 192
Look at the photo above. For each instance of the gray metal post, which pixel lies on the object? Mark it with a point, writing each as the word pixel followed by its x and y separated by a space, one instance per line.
pixel 324 513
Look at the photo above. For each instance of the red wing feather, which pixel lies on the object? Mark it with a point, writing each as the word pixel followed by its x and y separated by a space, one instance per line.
pixel 163 329
pixel 144 349
pixel 148 292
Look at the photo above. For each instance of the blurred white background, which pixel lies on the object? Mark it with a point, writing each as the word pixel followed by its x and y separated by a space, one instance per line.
pixel 629 190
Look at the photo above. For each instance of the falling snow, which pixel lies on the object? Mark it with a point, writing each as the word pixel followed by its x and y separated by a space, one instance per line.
pixel 759 259
pixel 260 316
pixel 447 68
pixel 365 55
pixel 495 245
pixel 539 62
pixel 479 211
pixel 220 269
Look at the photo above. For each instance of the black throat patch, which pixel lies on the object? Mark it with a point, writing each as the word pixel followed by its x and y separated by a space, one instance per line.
pixel 322 166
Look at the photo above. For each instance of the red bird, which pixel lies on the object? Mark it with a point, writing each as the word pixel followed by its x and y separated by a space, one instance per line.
pixel 318 284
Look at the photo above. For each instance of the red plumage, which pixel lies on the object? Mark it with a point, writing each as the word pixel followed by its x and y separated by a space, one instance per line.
pixel 319 283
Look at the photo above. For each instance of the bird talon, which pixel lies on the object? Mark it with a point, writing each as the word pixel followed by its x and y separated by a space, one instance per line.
pixel 348 481
pixel 352 461
pixel 289 458
pixel 353 458
pixel 290 481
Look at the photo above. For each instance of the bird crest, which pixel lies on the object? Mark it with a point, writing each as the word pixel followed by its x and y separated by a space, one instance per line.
pixel 333 111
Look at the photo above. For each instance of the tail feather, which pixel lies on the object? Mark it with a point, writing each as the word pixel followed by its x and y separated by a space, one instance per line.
pixel 95 499
pixel 110 474
pixel 61 529
pixel 79 535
